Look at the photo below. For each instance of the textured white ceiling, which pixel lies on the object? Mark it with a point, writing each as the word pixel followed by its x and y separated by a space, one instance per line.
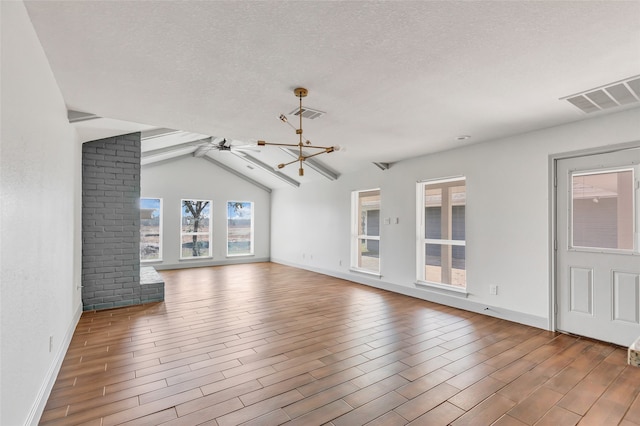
pixel 397 79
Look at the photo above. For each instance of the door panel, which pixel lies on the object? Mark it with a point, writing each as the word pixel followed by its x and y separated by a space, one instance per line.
pixel 581 290
pixel 626 297
pixel 598 253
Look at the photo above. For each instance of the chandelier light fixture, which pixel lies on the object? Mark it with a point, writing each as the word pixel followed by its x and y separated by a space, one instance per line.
pixel 300 92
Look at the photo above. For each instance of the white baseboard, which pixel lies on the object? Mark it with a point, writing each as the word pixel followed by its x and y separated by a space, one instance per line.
pixel 203 263
pixel 45 390
pixel 432 296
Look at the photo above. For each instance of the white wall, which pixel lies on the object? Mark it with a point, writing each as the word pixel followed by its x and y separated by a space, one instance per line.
pixel 508 219
pixel 197 178
pixel 40 246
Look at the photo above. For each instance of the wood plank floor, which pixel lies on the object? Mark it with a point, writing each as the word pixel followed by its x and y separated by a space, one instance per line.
pixel 266 344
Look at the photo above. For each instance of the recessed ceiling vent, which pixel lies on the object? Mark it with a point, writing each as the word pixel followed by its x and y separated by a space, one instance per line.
pixel 308 113
pixel 613 95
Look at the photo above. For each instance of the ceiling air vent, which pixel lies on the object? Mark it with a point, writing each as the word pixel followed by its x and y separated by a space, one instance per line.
pixel 612 95
pixel 308 113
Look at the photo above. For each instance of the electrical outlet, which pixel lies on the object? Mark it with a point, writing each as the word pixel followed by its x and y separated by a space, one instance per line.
pixel 493 289
pixel 50 343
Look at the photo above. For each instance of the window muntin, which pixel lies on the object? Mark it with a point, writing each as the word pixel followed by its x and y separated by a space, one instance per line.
pixel 239 228
pixel 150 229
pixel 365 240
pixel 602 210
pixel 442 233
pixel 195 229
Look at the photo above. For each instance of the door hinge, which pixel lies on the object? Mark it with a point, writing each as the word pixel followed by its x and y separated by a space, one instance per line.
pixel 555 308
pixel 555 244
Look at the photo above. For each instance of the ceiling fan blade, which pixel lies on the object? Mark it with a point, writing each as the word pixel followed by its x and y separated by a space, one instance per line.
pixel 245 148
pixel 202 150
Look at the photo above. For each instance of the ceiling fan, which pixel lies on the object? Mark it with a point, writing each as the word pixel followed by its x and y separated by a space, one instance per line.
pixel 223 145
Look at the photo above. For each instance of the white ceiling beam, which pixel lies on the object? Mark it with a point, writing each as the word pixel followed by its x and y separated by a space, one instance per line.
pixel 201 151
pixel 314 164
pixel 237 173
pixel 267 168
pixel 178 147
pixel 159 132
pixel 157 160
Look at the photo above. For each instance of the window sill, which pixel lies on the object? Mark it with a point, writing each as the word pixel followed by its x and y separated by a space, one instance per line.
pixel 365 272
pixel 151 261
pixel 441 288
pixel 231 256
pixel 188 259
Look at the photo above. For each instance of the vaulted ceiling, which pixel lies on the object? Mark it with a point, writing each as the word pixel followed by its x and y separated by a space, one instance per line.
pixel 395 79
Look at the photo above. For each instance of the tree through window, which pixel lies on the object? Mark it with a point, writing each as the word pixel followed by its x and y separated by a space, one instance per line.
pixel 239 228
pixel 195 229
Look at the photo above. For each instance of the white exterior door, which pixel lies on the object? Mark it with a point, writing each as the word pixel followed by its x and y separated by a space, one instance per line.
pixel 598 253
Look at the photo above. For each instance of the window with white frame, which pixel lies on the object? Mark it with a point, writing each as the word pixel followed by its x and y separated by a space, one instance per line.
pixel 365 230
pixel 150 229
pixel 195 229
pixel 441 232
pixel 239 228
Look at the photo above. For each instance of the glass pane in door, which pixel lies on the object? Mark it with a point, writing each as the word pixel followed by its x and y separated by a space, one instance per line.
pixel 602 210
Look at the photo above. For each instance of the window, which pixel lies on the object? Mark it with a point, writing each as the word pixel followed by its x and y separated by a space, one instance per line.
pixel 150 229
pixel 441 232
pixel 365 234
pixel 603 210
pixel 239 228
pixel 195 229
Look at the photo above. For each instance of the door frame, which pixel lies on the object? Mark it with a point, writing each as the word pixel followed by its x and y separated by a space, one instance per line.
pixel 553 216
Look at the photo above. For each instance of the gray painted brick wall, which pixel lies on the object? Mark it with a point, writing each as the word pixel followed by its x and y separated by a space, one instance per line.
pixel 111 225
